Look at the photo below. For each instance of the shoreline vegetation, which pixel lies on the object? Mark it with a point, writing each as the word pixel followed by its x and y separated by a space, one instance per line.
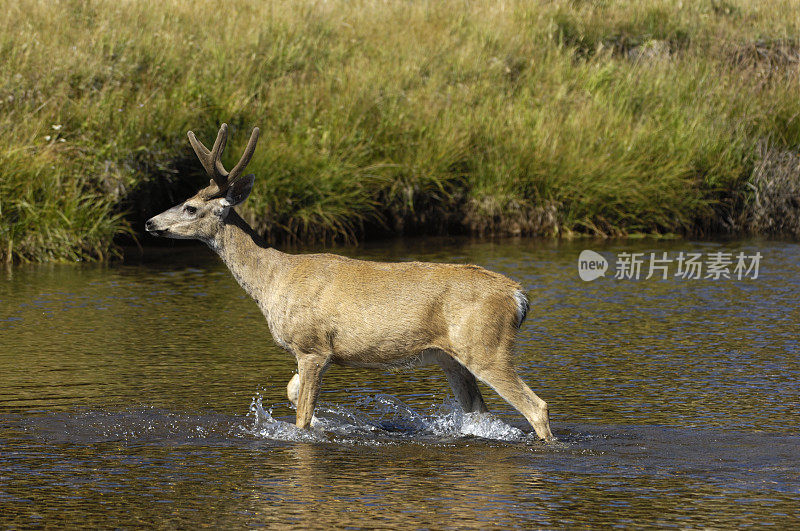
pixel 554 119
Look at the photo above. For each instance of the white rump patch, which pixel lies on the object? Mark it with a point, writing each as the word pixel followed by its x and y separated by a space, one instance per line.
pixel 522 306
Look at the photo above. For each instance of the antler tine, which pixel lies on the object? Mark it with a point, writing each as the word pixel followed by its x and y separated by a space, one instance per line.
pixel 211 159
pixel 246 156
pixel 216 151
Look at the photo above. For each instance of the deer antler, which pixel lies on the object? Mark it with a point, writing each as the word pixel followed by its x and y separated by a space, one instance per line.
pixel 211 159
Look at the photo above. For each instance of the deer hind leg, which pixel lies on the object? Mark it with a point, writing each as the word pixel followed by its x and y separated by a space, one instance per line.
pixel 501 376
pixel 464 385
pixel 311 369
pixel 293 389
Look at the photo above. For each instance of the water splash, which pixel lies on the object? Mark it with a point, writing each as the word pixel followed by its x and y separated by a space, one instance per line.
pixel 377 420
pixel 453 421
pixel 389 420
pixel 268 427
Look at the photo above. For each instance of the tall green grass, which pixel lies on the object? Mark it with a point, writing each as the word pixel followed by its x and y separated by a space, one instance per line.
pixel 548 118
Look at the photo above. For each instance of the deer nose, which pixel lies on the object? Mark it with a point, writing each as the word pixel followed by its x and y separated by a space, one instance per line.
pixel 149 226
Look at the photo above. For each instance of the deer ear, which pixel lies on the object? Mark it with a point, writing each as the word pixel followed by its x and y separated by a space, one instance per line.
pixel 238 190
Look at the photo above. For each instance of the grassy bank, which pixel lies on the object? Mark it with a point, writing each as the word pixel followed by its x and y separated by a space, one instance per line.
pixel 548 118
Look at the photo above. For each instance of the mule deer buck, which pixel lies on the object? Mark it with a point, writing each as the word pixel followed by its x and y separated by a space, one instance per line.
pixel 325 308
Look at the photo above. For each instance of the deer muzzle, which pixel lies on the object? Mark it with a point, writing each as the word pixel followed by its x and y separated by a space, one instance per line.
pixel 151 226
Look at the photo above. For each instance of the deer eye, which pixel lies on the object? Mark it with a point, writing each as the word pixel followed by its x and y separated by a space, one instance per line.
pixel 190 209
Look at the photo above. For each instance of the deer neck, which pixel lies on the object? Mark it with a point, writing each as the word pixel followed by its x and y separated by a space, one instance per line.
pixel 252 263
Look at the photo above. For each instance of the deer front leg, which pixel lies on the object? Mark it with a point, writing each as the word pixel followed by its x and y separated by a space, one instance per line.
pixel 310 371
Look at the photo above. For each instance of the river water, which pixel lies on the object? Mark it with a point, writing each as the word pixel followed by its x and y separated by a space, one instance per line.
pixel 151 393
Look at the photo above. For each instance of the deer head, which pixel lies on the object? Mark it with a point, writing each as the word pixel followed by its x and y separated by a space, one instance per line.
pixel 201 216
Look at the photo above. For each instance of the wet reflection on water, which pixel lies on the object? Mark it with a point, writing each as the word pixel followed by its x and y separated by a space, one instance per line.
pixel 126 400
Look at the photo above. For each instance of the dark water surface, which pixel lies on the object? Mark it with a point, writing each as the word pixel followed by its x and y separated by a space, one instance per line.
pixel 152 394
